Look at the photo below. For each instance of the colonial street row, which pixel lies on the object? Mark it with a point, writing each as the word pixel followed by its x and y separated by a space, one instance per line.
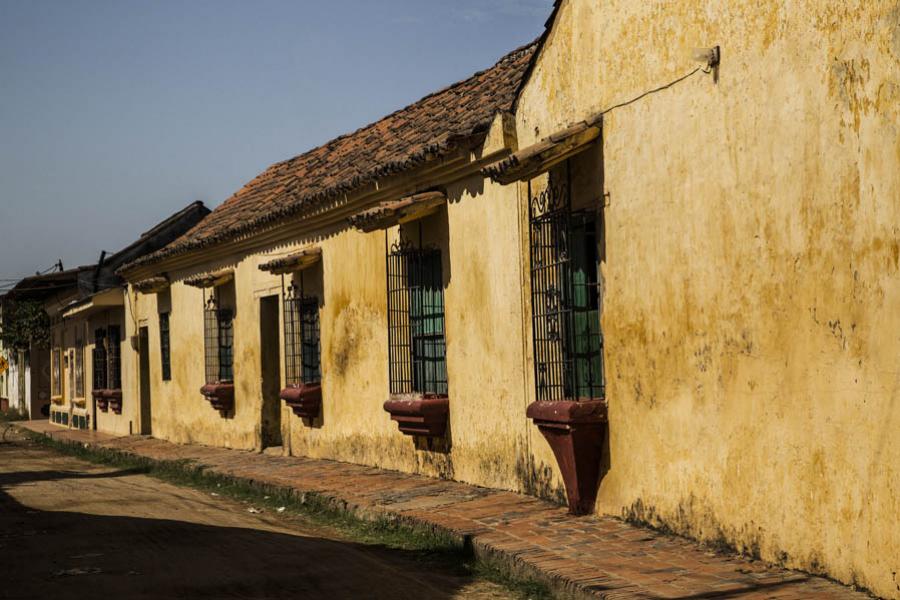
pixel 646 266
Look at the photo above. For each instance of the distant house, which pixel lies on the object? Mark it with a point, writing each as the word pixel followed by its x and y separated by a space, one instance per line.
pixel 89 355
pixel 28 378
pixel 647 265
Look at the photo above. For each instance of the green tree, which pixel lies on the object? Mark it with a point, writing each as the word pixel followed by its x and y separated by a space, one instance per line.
pixel 24 323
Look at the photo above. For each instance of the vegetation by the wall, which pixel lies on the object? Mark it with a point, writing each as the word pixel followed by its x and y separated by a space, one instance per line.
pixel 24 323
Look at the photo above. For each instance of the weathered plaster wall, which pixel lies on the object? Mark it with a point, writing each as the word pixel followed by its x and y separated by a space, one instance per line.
pixel 179 412
pixel 488 443
pixel 752 304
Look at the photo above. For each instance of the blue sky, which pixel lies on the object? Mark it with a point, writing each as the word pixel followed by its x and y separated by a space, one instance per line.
pixel 116 113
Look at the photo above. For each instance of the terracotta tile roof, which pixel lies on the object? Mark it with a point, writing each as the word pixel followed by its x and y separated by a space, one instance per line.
pixel 455 117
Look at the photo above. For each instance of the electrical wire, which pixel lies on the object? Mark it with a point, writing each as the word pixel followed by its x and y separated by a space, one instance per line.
pixel 654 90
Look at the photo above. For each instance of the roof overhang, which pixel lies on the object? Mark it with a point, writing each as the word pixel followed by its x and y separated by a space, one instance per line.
pixel 152 285
pixel 293 262
pixel 111 298
pixel 541 157
pixel 208 280
pixel 390 213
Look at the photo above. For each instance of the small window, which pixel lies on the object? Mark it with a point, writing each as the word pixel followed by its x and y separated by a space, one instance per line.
pixel 164 351
pixel 218 342
pixel 114 347
pixel 301 337
pixel 99 359
pixel 416 344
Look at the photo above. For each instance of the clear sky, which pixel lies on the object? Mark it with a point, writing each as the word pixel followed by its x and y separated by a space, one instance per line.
pixel 116 113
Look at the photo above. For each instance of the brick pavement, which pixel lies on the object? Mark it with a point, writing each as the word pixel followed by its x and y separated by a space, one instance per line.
pixel 583 557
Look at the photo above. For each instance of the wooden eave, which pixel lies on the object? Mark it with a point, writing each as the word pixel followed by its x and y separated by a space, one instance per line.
pixel 110 298
pixel 541 157
pixel 208 280
pixel 389 213
pixel 293 262
pixel 152 285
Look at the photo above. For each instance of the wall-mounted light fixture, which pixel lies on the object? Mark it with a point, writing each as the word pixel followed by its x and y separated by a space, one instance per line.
pixel 711 57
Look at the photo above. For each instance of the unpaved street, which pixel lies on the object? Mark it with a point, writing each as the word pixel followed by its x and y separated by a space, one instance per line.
pixel 69 529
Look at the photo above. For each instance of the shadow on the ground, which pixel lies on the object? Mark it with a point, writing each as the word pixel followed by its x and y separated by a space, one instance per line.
pixel 19 477
pixel 76 555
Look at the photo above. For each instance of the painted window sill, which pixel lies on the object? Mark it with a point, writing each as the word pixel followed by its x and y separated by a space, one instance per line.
pixel 220 395
pixel 107 399
pixel 305 399
pixel 419 414
pixel 575 431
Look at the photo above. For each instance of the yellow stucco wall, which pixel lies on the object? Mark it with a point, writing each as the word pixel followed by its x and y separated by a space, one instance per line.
pixel 752 292
pixel 478 231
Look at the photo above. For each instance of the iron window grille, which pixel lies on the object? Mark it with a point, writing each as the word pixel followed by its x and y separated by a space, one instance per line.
pixel 70 366
pixel 99 359
pixel 301 336
pixel 568 343
pixel 114 357
pixel 164 349
pixel 417 351
pixel 218 342
pixel 79 367
pixel 56 372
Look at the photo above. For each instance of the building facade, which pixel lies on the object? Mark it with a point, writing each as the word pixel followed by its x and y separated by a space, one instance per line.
pixel 646 265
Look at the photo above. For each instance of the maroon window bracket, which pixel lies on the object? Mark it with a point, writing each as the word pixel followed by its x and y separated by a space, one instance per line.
pixel 574 430
pixel 102 401
pixel 107 399
pixel 114 398
pixel 417 414
pixel 304 399
pixel 220 395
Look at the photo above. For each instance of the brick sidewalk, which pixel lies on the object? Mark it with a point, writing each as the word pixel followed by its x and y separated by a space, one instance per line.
pixel 584 557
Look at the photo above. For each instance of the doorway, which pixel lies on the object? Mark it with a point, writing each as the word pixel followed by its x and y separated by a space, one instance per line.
pixel 270 369
pixel 144 353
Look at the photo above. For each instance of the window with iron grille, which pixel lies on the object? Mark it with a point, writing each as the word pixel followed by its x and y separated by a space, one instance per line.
pixel 301 336
pixel 70 365
pixel 568 343
pixel 164 351
pixel 56 372
pixel 218 342
pixel 99 359
pixel 416 345
pixel 114 354
pixel 79 366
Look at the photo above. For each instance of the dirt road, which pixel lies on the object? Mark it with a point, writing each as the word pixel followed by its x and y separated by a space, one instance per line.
pixel 72 530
